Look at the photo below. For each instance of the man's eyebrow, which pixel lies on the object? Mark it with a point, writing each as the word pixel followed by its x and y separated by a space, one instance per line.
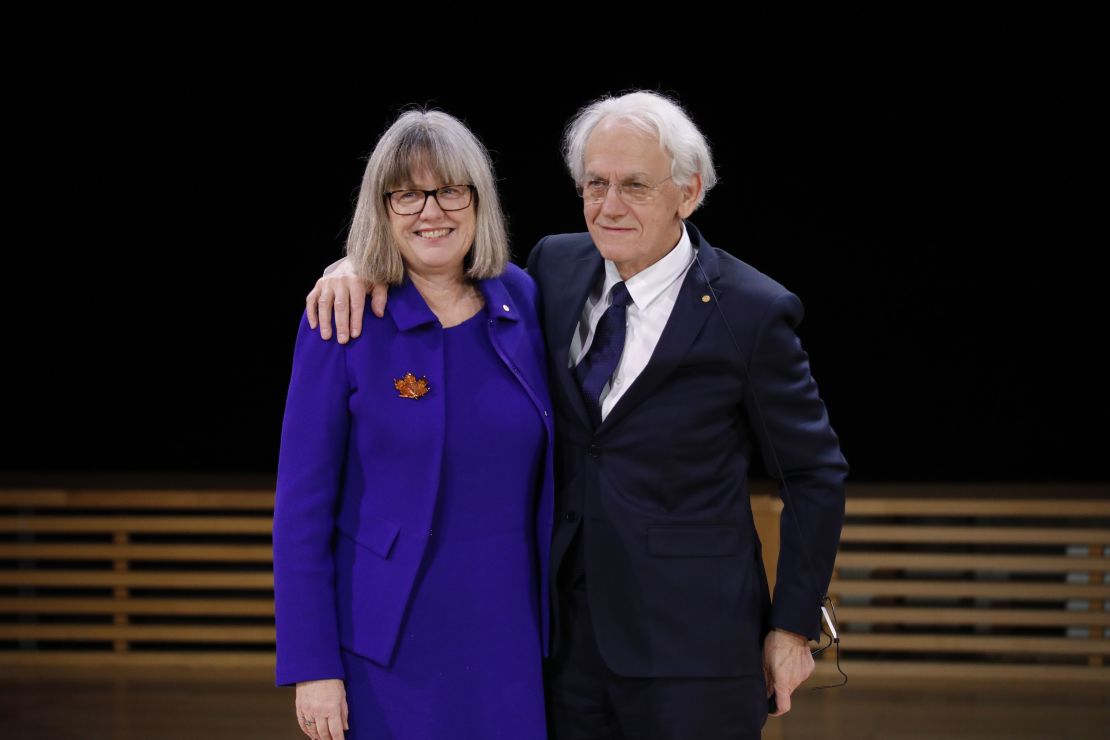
pixel 624 178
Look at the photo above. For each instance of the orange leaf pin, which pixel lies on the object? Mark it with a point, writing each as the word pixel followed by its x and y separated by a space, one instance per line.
pixel 411 387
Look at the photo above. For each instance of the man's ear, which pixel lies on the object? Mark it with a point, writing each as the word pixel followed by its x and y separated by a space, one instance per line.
pixel 690 193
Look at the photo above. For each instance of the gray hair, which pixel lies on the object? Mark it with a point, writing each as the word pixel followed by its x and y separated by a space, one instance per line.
pixel 655 115
pixel 449 150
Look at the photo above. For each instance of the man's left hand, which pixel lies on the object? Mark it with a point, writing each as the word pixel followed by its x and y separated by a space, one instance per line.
pixel 787 662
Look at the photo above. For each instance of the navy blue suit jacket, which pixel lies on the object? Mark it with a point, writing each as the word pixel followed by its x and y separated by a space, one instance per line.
pixel 675 578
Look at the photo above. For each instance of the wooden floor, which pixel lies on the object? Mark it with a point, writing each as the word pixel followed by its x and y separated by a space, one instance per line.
pixel 155 706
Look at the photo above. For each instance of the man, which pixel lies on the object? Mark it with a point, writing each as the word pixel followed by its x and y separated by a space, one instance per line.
pixel 671 362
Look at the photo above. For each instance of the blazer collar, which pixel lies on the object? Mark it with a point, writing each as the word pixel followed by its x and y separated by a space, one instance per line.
pixel 409 310
pixel 407 307
pixel 499 304
pixel 706 256
pixel 567 301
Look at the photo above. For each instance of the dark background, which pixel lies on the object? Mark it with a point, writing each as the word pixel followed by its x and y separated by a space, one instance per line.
pixel 933 186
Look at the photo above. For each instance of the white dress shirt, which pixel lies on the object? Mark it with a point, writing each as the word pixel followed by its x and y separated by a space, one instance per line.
pixel 654 291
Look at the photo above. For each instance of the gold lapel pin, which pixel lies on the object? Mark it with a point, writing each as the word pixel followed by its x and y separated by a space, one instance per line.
pixel 411 387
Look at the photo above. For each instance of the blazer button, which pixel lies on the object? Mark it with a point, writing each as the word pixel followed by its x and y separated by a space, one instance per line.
pixel 571 516
pixel 595 451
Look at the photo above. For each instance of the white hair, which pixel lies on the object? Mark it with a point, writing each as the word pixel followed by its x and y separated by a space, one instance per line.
pixel 655 115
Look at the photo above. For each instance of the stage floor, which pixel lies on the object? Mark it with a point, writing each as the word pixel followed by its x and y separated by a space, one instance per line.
pixel 157 705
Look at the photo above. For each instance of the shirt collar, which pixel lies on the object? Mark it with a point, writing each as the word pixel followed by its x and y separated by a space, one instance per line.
pixel 650 283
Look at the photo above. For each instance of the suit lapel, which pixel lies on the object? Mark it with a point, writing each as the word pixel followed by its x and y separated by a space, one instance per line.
pixel 565 311
pixel 691 309
pixel 512 343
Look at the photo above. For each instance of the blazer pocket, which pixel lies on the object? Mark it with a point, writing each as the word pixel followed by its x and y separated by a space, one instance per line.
pixel 375 534
pixel 705 541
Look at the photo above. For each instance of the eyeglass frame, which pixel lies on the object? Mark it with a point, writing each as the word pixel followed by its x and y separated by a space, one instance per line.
pixel 434 192
pixel 653 189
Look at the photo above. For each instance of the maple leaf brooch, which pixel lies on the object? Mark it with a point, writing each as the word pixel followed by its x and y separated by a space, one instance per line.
pixel 411 387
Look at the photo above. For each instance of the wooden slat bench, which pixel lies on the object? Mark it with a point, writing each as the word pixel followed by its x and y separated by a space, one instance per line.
pixel 136 577
pixel 1006 582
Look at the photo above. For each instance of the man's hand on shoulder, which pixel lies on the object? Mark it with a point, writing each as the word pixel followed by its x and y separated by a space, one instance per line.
pixel 342 293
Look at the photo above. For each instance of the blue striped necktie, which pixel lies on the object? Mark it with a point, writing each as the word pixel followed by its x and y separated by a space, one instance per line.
pixel 599 364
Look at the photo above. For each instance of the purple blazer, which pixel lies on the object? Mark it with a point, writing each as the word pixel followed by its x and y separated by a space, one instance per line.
pixel 359 461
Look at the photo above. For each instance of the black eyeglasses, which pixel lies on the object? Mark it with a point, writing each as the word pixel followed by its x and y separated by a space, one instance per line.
pixel 449 198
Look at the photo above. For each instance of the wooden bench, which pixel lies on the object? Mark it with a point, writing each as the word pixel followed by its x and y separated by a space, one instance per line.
pixel 136 577
pixel 996 582
pixel 945 581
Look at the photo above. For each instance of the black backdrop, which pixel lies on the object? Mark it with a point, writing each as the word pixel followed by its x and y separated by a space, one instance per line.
pixel 933 187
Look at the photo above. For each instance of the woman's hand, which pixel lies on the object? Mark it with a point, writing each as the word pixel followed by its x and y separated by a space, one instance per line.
pixel 322 708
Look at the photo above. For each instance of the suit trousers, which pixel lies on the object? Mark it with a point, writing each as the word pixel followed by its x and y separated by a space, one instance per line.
pixel 587 701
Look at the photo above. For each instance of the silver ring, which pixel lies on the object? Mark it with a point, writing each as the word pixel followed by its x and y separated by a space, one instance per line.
pixel 308 722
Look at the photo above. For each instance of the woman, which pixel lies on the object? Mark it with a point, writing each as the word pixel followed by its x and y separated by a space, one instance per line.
pixel 414 497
